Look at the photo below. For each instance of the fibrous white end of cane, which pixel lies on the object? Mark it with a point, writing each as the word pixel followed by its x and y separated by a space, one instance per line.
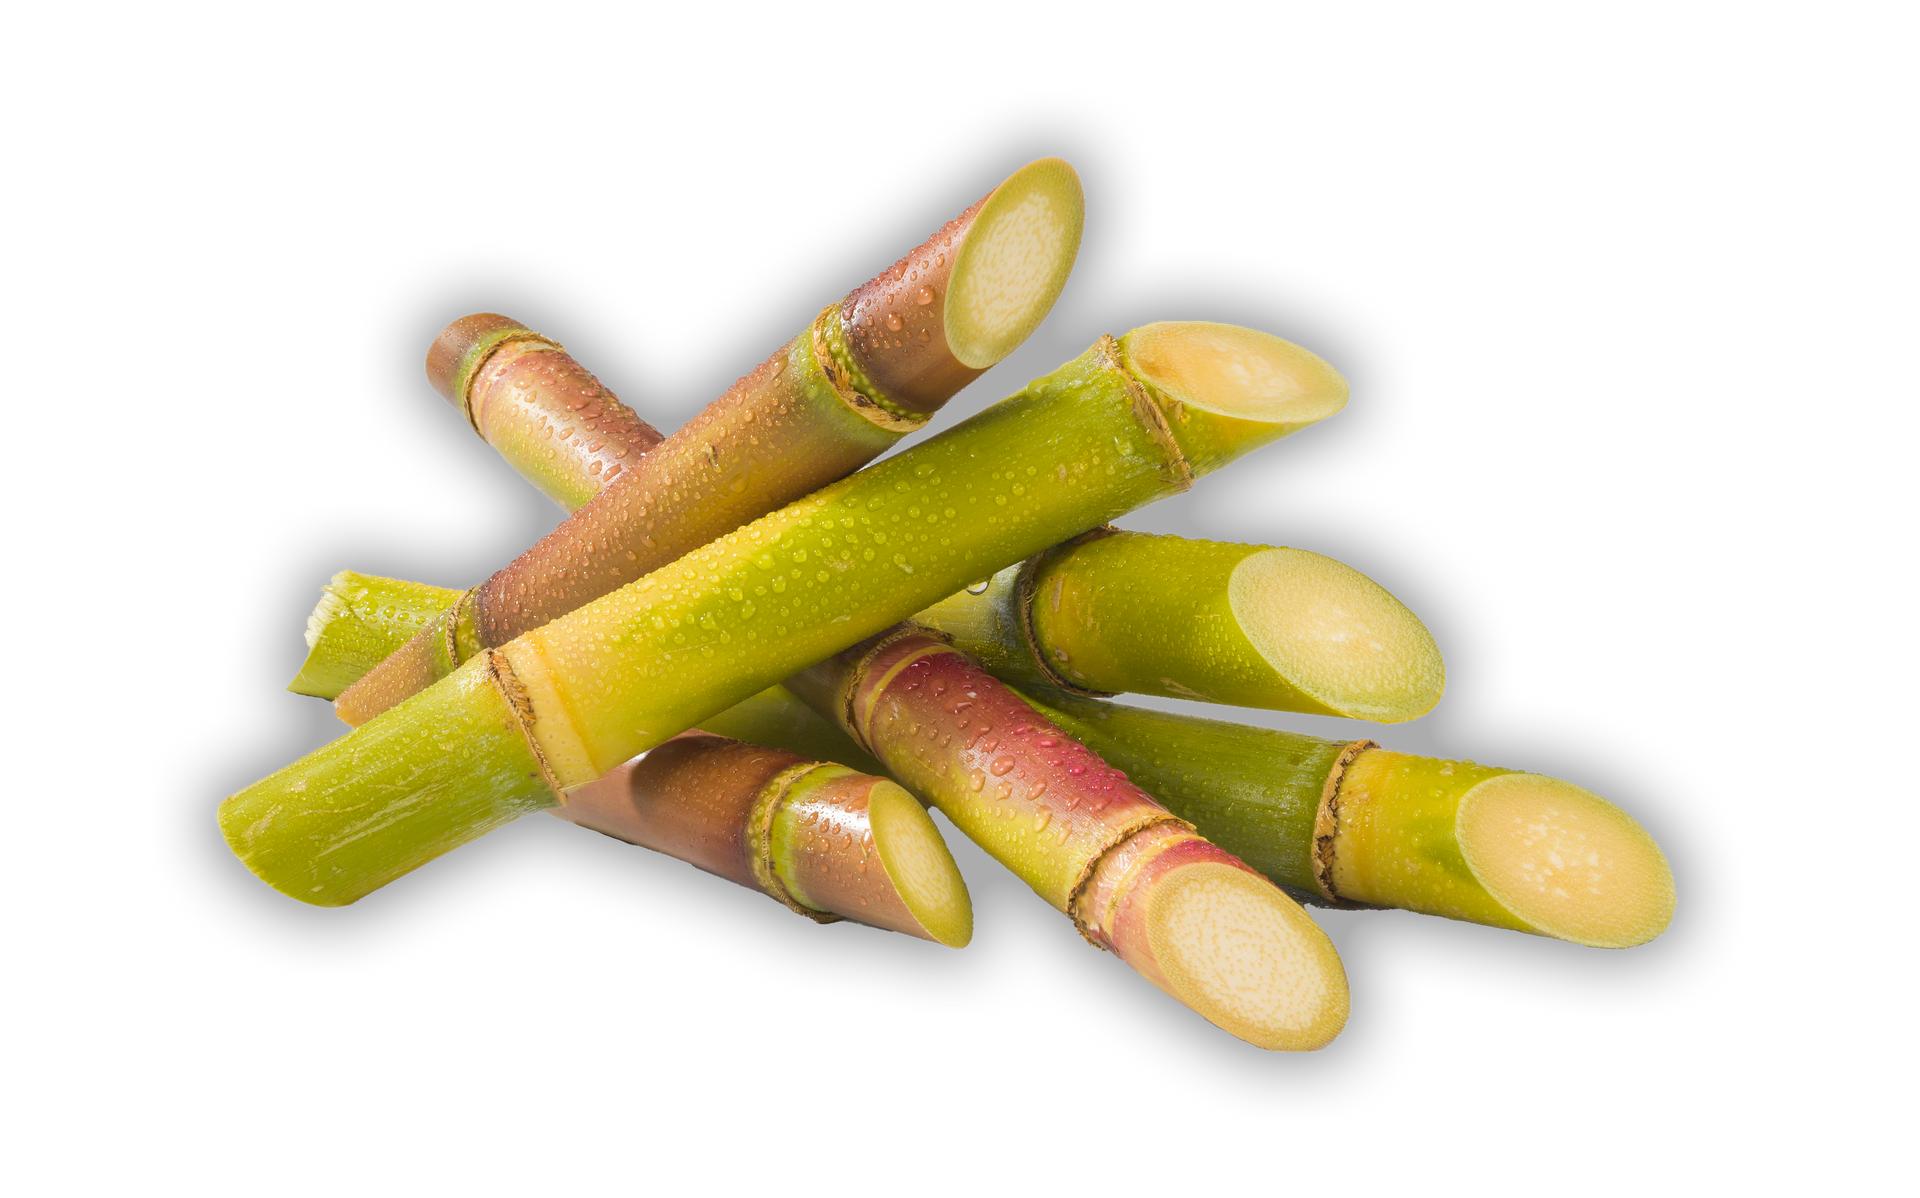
pixel 1565 860
pixel 1240 952
pixel 1236 372
pixel 1336 635
pixel 1013 263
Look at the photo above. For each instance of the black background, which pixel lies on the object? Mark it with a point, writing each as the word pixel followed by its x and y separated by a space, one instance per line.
pixel 1531 461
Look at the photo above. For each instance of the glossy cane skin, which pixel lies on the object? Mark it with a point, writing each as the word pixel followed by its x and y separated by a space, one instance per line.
pixel 1036 799
pixel 793 829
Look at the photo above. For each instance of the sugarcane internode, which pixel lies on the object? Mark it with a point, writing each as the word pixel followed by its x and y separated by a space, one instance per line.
pixel 866 372
pixel 590 690
pixel 1249 625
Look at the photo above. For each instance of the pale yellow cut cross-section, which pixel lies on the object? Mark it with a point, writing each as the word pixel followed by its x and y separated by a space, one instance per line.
pixel 1013 263
pixel 918 864
pixel 1245 956
pixel 1336 635
pixel 1565 860
pixel 1236 371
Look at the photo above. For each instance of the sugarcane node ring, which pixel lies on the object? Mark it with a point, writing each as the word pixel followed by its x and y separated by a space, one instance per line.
pixel 1326 824
pixel 457 354
pixel 519 706
pixel 760 853
pixel 1026 593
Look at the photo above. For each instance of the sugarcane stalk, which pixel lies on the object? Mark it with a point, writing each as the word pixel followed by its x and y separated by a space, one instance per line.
pixel 545 413
pixel 1135 880
pixel 1498 847
pixel 822 839
pixel 866 372
pixel 1257 792
pixel 1072 451
pixel 1248 625
pixel 1351 823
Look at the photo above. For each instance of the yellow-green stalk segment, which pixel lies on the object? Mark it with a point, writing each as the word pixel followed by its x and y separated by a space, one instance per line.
pixel 1497 847
pixel 1188 916
pixel 409 785
pixel 592 689
pixel 1247 625
pixel 824 840
pixel 360 619
pixel 1347 822
pixel 869 370
pixel 545 414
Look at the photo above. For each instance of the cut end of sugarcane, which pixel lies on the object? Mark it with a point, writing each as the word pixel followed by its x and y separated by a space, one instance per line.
pixel 1336 635
pixel 456 341
pixel 918 864
pixel 314 678
pixel 1225 391
pixel 1241 953
pixel 1565 861
pixel 1014 262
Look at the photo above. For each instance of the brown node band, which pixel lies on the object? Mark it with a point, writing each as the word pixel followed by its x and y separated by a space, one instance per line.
pixel 460 351
pixel 1326 824
pixel 854 388
pixel 760 839
pixel 1147 411
pixel 514 694
pixel 1127 831
pixel 1026 589
pixel 848 700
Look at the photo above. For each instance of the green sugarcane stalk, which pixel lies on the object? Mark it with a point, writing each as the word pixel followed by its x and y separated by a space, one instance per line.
pixel 359 621
pixel 1247 625
pixel 868 370
pixel 1104 434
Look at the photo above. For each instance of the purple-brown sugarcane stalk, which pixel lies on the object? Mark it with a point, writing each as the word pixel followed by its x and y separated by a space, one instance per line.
pixel 544 412
pixel 821 839
pixel 866 372
pixel 1135 879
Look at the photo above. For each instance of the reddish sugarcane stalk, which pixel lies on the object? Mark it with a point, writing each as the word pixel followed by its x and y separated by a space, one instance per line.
pixel 542 411
pixel 825 841
pixel 866 372
pixel 1136 880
